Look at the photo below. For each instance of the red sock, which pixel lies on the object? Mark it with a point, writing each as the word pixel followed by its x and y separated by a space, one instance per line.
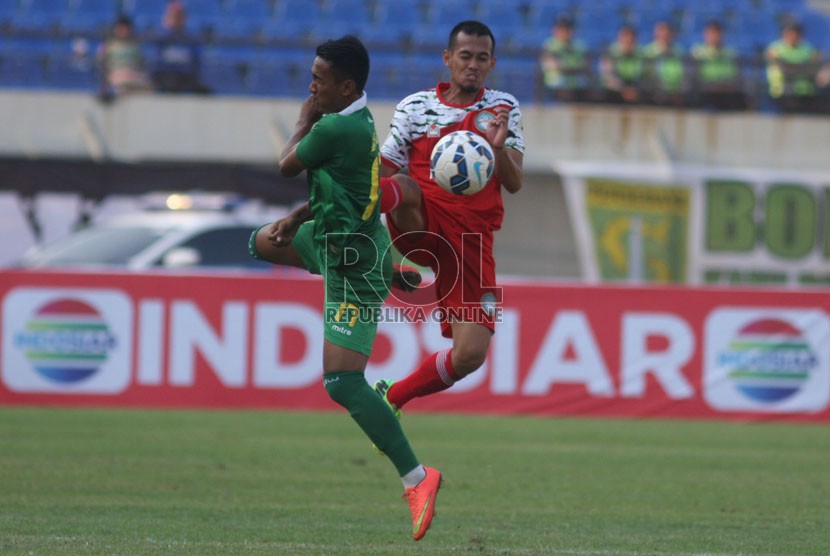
pixel 434 375
pixel 390 194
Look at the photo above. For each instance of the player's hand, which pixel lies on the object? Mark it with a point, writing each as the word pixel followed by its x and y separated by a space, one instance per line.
pixel 281 232
pixel 497 130
pixel 309 112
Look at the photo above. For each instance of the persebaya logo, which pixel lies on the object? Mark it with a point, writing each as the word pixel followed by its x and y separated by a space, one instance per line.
pixel 771 360
pixel 66 341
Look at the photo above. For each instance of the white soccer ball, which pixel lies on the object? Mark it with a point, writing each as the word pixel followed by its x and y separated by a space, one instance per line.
pixel 462 162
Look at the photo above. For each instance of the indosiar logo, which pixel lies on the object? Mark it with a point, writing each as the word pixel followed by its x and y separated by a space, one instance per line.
pixel 66 341
pixel 767 360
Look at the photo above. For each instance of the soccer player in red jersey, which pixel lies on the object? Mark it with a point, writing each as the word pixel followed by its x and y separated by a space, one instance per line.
pixel 452 234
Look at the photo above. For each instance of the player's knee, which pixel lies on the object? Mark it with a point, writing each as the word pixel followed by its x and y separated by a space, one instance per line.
pixel 467 359
pixel 261 247
pixel 253 244
pixel 338 391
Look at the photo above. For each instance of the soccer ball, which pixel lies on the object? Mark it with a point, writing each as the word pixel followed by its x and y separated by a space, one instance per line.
pixel 462 162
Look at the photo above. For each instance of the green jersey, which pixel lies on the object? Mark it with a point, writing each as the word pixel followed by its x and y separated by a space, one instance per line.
pixel 346 241
pixel 716 65
pixel 666 66
pixel 797 83
pixel 341 156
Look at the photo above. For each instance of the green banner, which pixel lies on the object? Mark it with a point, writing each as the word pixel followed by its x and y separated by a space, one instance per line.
pixel 639 230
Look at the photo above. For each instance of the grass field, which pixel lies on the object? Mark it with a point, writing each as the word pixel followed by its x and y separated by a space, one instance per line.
pixel 120 482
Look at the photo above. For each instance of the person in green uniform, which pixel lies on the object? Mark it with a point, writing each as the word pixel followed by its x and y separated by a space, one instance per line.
pixel 564 63
pixel 339 235
pixel 622 68
pixel 792 67
pixel 666 72
pixel 717 72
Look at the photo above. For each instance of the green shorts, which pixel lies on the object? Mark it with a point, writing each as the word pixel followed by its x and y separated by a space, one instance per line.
pixel 354 292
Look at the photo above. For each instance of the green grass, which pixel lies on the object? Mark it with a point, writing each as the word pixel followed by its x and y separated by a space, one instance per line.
pixel 115 482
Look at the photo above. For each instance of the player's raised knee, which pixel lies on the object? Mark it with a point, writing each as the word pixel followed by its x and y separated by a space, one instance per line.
pixel 467 359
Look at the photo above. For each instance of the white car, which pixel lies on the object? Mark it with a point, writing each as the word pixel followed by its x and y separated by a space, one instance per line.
pixel 155 240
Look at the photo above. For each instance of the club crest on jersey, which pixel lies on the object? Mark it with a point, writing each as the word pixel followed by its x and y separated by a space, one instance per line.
pixel 483 121
pixel 489 302
pixel 433 130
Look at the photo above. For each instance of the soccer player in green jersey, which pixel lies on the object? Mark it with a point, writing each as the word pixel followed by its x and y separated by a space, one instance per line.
pixel 339 234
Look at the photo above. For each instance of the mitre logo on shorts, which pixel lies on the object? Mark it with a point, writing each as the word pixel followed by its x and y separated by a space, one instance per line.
pixel 769 360
pixel 483 121
pixel 62 340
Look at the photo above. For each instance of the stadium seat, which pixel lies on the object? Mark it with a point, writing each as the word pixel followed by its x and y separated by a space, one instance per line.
pixel 259 41
pixel 66 73
pixel 503 12
pixel 225 77
pixel 23 69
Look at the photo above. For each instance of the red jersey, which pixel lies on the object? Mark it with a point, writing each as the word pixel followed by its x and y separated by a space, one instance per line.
pixel 422 118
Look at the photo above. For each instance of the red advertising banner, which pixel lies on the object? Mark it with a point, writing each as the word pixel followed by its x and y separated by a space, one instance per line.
pixel 255 341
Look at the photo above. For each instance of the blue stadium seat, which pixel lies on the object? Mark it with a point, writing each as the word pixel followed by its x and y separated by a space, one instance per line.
pixel 545 12
pixel 249 9
pixel 23 69
pixel 293 11
pixel 353 11
pixel 276 29
pixel 431 37
pixel 405 37
pixel 225 77
pixel 503 12
pixel 88 22
pixel 152 8
pixel 441 12
pixel 66 73
pixel 234 28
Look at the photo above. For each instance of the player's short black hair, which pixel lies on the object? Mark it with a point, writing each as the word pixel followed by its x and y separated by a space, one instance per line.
pixel 792 25
pixel 628 28
pixel 474 28
pixel 348 57
pixel 714 24
pixel 125 20
pixel 565 21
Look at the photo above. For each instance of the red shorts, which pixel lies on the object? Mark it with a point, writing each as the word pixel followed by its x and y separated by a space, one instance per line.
pixel 459 249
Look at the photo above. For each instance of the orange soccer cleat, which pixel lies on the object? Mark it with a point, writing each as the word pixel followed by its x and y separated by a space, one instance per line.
pixel 421 500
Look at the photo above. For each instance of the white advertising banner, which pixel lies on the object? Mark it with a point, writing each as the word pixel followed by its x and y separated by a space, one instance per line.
pixel 744 226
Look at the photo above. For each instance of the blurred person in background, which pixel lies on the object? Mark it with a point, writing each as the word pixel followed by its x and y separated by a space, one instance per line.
pixel 178 66
pixel 717 72
pixel 564 63
pixel 793 71
pixel 666 71
pixel 622 68
pixel 121 62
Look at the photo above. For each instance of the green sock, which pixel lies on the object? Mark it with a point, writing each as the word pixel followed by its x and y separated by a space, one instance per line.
pixel 370 412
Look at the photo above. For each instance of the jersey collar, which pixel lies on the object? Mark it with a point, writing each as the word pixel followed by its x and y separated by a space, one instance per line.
pixel 359 104
pixel 443 87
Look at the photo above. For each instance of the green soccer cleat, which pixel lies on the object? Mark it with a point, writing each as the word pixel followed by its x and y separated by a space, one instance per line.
pixel 382 387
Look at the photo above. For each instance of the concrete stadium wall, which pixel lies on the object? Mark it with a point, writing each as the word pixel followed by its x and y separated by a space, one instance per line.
pixel 540 243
